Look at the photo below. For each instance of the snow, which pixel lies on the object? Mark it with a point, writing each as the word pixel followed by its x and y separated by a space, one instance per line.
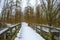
pixel 27 33
pixel 3 30
pixel 45 29
pixel 8 25
pixel 12 25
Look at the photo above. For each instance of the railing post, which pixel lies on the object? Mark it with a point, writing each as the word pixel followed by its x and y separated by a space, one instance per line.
pixel 19 26
pixel 36 28
pixel 4 35
pixel 16 30
pixel 39 30
pixel 59 35
pixel 10 33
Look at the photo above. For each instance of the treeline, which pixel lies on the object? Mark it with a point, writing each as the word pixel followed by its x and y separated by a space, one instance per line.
pixel 47 12
pixel 11 12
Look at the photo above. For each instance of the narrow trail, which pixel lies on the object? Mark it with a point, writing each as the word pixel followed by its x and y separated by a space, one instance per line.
pixel 27 33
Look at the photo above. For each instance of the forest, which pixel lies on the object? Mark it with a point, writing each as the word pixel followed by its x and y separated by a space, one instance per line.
pixel 47 12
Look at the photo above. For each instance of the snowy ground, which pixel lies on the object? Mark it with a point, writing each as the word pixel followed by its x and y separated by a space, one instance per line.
pixel 27 33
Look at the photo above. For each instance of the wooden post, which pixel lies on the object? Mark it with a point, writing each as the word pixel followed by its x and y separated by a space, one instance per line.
pixel 16 30
pixel 36 28
pixel 4 36
pixel 10 33
pixel 59 36
pixel 19 26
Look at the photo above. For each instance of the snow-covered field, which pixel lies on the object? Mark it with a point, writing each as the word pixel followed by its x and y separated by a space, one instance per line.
pixel 27 33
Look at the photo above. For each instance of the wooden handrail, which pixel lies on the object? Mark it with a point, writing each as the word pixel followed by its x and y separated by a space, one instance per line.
pixel 46 26
pixel 3 33
pixel 6 29
pixel 47 35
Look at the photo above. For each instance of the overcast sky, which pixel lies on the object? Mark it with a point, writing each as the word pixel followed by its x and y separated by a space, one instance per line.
pixel 1 6
pixel 23 4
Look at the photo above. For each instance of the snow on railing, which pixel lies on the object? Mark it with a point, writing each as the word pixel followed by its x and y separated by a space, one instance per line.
pixel 4 30
pixel 9 31
pixel 47 31
pixel 46 26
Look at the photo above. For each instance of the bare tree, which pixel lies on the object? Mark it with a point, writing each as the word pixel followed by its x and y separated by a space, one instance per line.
pixel 51 9
pixel 37 14
pixel 18 11
pixel 26 17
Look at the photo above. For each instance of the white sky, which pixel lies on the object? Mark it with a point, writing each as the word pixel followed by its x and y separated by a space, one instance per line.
pixel 32 3
pixel 23 4
pixel 1 6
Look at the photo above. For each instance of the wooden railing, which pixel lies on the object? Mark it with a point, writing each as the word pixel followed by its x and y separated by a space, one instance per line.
pixel 48 35
pixel 10 33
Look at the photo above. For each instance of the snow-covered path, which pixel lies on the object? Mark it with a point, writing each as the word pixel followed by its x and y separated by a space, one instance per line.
pixel 27 33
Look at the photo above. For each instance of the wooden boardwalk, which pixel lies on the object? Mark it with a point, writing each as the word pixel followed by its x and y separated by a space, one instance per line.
pixel 27 33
